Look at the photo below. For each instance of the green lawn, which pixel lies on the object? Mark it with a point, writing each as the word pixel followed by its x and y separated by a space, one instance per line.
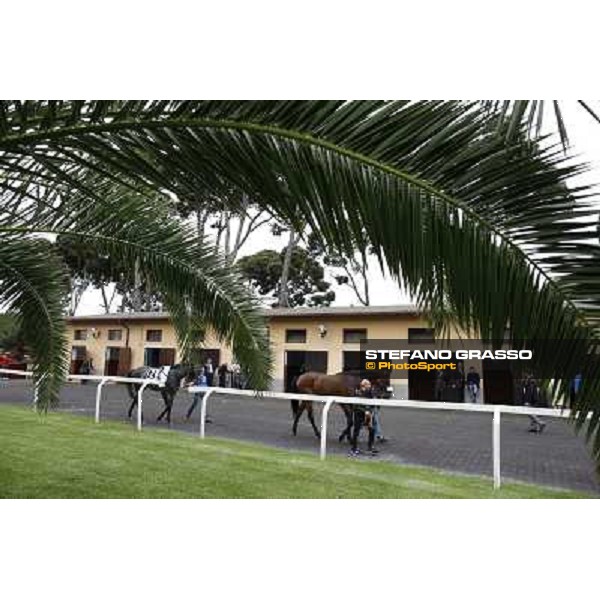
pixel 65 456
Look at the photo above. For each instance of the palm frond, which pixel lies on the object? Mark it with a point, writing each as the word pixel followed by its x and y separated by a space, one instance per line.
pixel 32 286
pixel 515 113
pixel 467 219
pixel 195 282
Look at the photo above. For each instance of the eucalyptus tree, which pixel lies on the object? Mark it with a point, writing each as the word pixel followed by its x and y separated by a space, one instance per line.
pixel 229 215
pixel 472 223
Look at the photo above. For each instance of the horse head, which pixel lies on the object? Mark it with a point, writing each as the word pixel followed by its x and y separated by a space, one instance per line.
pixel 181 372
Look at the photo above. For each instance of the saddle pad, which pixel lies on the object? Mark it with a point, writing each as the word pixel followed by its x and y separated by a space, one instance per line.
pixel 158 373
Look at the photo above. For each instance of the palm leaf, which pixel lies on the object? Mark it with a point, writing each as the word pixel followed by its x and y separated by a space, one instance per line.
pixel 195 282
pixel 468 222
pixel 32 286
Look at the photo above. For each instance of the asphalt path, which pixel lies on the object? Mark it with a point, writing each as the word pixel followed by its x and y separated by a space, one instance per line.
pixel 452 441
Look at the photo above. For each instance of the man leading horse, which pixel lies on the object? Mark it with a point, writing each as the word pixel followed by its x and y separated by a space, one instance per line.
pixel 345 384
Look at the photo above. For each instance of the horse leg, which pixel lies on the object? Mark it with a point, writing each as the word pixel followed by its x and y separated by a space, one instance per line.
pixel 171 398
pixel 294 404
pixel 166 409
pixel 297 417
pixel 349 422
pixel 312 419
pixel 133 396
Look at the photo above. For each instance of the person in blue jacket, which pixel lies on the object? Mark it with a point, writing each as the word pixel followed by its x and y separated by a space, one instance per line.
pixel 201 381
pixel 575 388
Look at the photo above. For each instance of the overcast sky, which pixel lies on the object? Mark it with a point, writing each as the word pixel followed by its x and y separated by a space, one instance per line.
pixel 584 134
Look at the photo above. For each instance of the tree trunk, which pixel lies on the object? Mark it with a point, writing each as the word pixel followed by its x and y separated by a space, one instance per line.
pixel 284 296
pixel 105 302
pixel 201 217
pixel 77 290
pixel 136 297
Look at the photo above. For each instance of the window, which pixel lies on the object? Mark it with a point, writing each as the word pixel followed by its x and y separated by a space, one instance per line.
pixel 115 335
pixel 295 336
pixel 421 334
pixel 80 334
pixel 355 336
pixel 154 335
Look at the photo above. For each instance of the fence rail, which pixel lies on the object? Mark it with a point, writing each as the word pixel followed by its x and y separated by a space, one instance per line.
pixel 496 411
pixel 102 380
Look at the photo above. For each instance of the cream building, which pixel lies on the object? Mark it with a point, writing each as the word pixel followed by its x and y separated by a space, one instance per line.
pixel 323 339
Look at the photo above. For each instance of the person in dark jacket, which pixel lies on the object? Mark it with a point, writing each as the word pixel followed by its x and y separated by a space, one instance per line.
pixel 575 388
pixel 209 371
pixel 86 368
pixel 530 396
pixel 473 384
pixel 363 415
pixel 222 372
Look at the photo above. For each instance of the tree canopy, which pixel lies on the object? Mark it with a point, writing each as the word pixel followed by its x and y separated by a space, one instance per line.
pixel 306 279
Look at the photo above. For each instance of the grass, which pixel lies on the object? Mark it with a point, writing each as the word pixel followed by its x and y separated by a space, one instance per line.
pixel 65 456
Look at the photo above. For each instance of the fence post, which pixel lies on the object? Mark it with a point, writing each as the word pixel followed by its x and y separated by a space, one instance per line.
pixel 496 448
pixel 324 428
pixel 140 398
pixel 203 402
pixel 98 398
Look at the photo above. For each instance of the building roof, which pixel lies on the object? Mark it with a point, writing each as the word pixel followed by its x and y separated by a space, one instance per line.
pixel 334 311
pixel 123 316
pixel 327 311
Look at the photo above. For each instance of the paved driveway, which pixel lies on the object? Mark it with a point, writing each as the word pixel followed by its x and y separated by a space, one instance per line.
pixel 452 441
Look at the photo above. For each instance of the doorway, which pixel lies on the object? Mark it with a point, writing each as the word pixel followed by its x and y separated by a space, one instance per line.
pixel 353 360
pixel 159 357
pixel 78 355
pixel 423 385
pixel 199 356
pixel 117 361
pixel 300 361
pixel 498 382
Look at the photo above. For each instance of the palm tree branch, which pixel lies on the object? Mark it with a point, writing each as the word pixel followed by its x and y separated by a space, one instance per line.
pixel 297 136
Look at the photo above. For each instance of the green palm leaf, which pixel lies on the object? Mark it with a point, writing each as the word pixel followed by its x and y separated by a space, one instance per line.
pixel 32 286
pixel 469 223
pixel 195 282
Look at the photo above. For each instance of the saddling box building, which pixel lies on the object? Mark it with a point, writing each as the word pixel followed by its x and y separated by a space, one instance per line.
pixel 322 339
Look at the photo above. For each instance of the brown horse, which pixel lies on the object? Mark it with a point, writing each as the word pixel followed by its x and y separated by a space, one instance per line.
pixel 340 384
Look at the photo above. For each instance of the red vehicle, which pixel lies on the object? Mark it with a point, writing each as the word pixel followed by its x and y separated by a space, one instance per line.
pixel 8 361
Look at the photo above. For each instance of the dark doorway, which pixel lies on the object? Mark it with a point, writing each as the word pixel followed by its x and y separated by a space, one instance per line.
pixel 300 361
pixel 78 355
pixel 159 357
pixel 498 382
pixel 422 385
pixel 199 356
pixel 117 361
pixel 353 360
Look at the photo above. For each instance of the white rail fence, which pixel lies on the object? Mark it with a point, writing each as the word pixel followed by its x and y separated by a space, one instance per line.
pixel 328 401
pixel 496 410
pixel 102 380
